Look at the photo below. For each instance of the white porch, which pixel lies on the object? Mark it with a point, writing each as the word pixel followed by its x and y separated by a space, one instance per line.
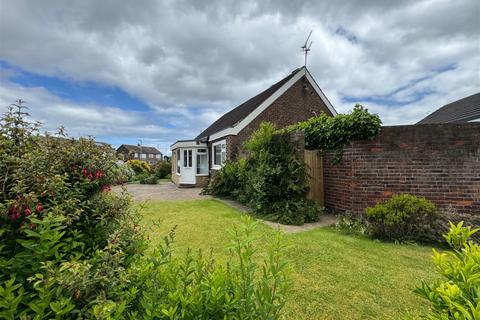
pixel 190 161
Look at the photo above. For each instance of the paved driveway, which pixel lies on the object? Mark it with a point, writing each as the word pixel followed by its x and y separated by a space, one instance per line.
pixel 165 191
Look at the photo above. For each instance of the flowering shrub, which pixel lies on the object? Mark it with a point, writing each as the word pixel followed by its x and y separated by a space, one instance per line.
pixel 139 166
pixel 457 295
pixel 71 249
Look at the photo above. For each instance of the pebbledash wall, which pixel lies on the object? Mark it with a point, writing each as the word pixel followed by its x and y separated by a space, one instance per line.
pixel 440 162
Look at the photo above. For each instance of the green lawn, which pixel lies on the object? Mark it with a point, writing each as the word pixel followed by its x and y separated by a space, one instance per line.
pixel 336 276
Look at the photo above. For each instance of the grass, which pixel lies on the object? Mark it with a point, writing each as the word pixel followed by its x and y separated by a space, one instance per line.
pixel 336 276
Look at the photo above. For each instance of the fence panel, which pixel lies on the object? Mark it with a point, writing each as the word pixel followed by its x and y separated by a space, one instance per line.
pixel 314 162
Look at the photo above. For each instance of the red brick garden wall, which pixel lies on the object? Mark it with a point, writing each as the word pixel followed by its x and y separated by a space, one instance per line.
pixel 440 162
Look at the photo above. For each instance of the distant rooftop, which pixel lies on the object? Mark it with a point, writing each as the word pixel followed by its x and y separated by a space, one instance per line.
pixel 463 110
pixel 140 149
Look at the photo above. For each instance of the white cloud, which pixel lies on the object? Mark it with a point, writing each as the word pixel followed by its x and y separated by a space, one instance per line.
pixel 191 61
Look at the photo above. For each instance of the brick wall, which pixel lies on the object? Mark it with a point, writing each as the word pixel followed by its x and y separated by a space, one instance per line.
pixel 299 103
pixel 440 162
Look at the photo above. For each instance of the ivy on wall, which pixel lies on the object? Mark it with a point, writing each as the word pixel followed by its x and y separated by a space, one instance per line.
pixel 334 133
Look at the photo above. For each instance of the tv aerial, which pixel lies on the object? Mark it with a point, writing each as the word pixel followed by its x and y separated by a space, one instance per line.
pixel 306 47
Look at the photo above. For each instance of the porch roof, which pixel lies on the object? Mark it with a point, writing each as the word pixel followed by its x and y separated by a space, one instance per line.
pixel 188 144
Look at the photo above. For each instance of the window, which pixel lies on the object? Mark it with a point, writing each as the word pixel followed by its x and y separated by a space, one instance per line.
pixel 178 161
pixel 202 161
pixel 219 154
pixel 187 158
pixel 159 156
pixel 135 155
pixel 143 155
pixel 151 156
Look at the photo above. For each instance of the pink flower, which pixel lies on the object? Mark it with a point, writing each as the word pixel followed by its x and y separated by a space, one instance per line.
pixel 84 172
pixel 90 176
pixel 28 212
pixel 39 207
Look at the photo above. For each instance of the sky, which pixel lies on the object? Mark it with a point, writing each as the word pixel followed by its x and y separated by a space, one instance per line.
pixel 159 71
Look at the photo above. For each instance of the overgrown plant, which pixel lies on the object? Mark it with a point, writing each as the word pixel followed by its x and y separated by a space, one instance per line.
pixel 403 217
pixel 334 133
pixel 272 179
pixel 457 295
pixel 70 249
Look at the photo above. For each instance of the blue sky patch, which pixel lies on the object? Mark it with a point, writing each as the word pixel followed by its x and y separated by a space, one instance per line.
pixel 75 91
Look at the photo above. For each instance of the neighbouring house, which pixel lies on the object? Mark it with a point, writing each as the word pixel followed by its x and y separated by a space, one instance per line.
pixel 460 111
pixel 137 152
pixel 295 98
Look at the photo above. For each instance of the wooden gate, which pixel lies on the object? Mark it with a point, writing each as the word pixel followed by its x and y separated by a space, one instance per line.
pixel 314 162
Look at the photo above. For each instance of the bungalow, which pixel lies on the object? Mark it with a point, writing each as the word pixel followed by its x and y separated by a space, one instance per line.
pixel 131 152
pixel 295 98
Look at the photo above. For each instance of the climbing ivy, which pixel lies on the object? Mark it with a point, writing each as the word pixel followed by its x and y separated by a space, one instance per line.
pixel 334 133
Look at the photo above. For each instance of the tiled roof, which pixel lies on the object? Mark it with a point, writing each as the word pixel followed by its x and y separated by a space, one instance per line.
pixel 140 149
pixel 463 110
pixel 236 115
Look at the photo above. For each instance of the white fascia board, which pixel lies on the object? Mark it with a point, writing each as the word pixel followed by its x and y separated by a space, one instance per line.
pixel 188 144
pixel 320 93
pixel 255 113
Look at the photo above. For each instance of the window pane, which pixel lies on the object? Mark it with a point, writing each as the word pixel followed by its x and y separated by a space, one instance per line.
pixel 224 153
pixel 185 158
pixel 217 160
pixel 202 164
pixel 178 161
pixel 189 158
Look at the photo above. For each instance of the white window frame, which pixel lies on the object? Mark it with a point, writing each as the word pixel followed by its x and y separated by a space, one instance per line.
pixel 179 163
pixel 204 153
pixel 223 154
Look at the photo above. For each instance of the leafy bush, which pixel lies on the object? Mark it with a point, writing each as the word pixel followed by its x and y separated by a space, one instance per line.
pixel 351 223
pixel 403 217
pixel 457 296
pixel 161 169
pixel 227 181
pixel 123 172
pixel 139 166
pixel 148 179
pixel 334 133
pixel 272 180
pixel 70 249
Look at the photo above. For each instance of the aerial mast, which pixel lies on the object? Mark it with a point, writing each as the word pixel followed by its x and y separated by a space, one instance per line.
pixel 306 47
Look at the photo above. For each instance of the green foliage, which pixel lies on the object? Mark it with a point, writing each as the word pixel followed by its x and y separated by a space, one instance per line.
pixel 123 172
pixel 196 287
pixel 457 295
pixel 334 133
pixel 161 169
pixel 139 166
pixel 350 223
pixel 271 179
pixel 148 179
pixel 403 218
pixel 227 181
pixel 70 249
